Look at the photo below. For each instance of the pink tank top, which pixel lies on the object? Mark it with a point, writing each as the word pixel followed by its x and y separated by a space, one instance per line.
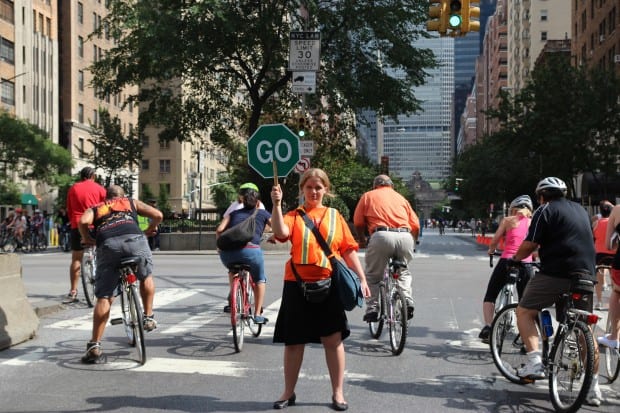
pixel 514 237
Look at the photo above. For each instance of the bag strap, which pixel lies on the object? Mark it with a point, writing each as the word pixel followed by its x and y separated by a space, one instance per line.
pixel 296 274
pixel 326 249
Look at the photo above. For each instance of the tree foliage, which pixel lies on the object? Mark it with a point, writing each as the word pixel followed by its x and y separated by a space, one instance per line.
pixel 115 152
pixel 563 123
pixel 26 150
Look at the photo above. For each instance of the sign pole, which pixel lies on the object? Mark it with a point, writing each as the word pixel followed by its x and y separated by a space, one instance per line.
pixel 275 173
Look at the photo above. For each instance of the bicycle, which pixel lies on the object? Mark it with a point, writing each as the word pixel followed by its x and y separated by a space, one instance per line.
pixel 568 361
pixel 242 304
pixel 392 308
pixel 508 293
pixel 131 306
pixel 64 232
pixel 38 239
pixel 88 274
pixel 612 358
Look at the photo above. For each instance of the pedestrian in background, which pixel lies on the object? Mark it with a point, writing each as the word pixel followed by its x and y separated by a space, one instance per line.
pixel 300 322
pixel 81 195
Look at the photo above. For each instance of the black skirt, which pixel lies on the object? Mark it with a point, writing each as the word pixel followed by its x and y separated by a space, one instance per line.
pixel 301 322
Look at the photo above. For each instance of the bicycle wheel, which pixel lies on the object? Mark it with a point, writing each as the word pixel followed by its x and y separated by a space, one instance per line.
pixel 398 321
pixel 126 314
pixel 376 327
pixel 612 358
pixel 255 329
pixel 88 278
pixel 42 242
pixel 506 346
pixel 236 311
pixel 137 322
pixel 572 366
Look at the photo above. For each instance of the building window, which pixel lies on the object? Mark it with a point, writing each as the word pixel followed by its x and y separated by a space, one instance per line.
pixel 6 11
pixel 48 27
pixel 81 80
pixel 80 46
pixel 80 12
pixel 164 166
pixel 145 164
pixel 80 113
pixel 543 36
pixel 8 92
pixel 7 51
pixel 81 153
pixel 164 145
pixel 543 15
pixel 95 118
pixel 145 141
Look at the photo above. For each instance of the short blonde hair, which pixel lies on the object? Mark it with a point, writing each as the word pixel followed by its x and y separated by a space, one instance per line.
pixel 316 173
pixel 521 211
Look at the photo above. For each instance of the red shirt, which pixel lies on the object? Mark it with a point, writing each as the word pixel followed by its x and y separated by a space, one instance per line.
pixel 81 196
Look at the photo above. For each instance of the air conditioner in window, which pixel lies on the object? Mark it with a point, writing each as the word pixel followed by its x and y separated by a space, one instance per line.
pixel 617 58
pixel 601 38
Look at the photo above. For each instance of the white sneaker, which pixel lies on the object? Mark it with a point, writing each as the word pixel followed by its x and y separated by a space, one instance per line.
pixel 532 371
pixel 607 342
pixel 594 396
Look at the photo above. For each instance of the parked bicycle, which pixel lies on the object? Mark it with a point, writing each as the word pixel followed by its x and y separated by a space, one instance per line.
pixel 64 237
pixel 131 306
pixel 242 304
pixel 392 308
pixel 88 274
pixel 568 360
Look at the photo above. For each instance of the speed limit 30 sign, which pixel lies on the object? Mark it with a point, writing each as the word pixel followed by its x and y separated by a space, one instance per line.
pixel 304 51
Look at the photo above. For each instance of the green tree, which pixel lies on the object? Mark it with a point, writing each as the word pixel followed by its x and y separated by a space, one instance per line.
pixel 563 123
pixel 113 151
pixel 163 203
pixel 26 150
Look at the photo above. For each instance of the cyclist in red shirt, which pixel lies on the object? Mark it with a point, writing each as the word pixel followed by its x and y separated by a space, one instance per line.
pixel 81 195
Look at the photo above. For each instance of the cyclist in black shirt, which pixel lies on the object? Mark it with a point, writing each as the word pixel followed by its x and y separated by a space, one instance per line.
pixel 561 231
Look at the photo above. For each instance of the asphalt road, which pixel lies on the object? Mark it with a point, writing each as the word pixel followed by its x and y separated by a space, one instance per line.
pixel 192 365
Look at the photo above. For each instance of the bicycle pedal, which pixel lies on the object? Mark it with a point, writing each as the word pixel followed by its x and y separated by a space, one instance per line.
pixel 116 321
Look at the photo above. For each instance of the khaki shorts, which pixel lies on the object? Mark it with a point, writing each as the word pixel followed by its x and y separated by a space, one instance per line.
pixel 544 291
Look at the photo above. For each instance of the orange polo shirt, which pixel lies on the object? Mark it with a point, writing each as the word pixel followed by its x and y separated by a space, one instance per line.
pixel 384 207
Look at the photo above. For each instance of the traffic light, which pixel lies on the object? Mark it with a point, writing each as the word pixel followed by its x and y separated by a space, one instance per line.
pixel 438 14
pixel 455 19
pixel 469 12
pixel 301 127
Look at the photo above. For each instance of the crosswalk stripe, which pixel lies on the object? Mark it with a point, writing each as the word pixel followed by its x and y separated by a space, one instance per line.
pixel 163 297
pixel 190 324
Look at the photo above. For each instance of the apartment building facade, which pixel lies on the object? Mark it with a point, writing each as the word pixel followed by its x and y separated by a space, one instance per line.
pixel 595 34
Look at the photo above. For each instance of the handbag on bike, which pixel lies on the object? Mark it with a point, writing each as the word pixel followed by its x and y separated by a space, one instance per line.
pixel 346 281
pixel 237 237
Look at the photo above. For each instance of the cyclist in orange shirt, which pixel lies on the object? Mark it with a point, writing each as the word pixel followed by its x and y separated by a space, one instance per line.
pixel 393 227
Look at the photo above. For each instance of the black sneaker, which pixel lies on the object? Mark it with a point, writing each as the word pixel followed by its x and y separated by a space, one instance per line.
pixel 485 333
pixel 410 309
pixel 227 308
pixel 371 317
pixel 93 353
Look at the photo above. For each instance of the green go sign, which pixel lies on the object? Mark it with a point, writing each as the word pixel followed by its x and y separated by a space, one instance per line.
pixel 273 143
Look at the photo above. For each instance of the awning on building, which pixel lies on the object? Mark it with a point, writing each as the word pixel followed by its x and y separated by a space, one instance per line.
pixel 29 199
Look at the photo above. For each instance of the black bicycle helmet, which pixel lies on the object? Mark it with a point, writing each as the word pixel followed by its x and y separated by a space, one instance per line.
pixel 522 201
pixel 551 184
pixel 605 208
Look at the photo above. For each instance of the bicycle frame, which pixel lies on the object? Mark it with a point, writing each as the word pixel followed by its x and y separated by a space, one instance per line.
pixel 242 301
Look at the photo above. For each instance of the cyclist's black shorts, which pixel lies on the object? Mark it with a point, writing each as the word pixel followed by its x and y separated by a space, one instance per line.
pixel 76 240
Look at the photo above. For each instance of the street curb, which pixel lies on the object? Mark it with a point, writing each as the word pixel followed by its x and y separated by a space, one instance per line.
pixel 44 308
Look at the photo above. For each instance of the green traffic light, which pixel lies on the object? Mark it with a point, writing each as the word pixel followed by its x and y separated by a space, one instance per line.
pixel 455 20
pixel 301 133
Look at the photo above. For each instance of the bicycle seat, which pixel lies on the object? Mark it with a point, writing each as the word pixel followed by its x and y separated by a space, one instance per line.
pixel 236 267
pixel 582 285
pixel 130 261
pixel 397 264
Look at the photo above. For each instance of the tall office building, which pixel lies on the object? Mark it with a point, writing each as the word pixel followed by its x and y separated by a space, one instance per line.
pixel 29 75
pixel 418 145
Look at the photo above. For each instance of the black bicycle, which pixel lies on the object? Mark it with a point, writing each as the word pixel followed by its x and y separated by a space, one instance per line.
pixel 131 306
pixel 568 360
pixel 392 308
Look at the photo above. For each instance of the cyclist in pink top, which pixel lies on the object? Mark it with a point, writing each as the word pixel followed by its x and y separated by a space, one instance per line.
pixel 513 230
pixel 604 255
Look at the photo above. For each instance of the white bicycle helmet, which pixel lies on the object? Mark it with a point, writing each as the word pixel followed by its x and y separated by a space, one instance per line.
pixel 523 201
pixel 551 184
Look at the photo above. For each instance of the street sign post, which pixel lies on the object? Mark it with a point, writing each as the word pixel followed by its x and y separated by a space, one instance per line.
pixel 304 51
pixel 273 143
